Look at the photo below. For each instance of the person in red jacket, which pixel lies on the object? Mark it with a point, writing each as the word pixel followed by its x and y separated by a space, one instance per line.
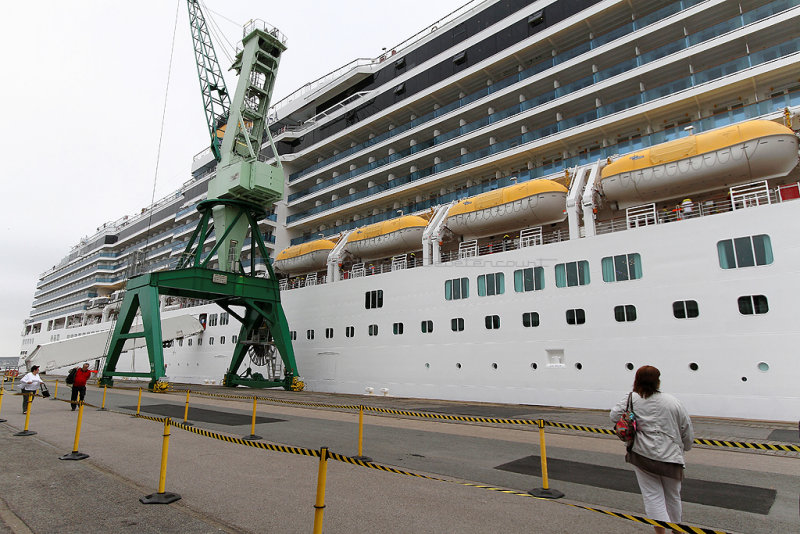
pixel 79 385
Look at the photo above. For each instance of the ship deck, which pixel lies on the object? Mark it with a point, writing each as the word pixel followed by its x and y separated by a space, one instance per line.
pixel 234 488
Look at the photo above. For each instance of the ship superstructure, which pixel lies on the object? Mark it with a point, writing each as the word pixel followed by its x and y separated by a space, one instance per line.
pixel 485 212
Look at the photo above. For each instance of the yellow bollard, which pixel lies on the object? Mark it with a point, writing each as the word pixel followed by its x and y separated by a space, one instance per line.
pixel 162 497
pixel 253 435
pixel 75 455
pixel 102 407
pixel 319 505
pixel 25 431
pixel 2 391
pixel 361 436
pixel 545 491
pixel 186 411
pixel 55 391
pixel 139 403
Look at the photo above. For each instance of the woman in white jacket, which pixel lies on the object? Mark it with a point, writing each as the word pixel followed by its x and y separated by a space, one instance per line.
pixel 664 432
pixel 30 383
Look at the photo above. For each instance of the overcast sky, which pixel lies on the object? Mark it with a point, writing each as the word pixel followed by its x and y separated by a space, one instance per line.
pixel 82 93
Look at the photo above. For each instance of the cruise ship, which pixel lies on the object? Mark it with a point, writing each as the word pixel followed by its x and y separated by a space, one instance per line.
pixel 522 203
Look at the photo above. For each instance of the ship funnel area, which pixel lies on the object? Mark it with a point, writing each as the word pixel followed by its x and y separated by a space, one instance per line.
pixel 237 197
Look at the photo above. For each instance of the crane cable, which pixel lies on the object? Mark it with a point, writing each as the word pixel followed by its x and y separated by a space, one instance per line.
pixel 155 178
pixel 216 30
pixel 163 119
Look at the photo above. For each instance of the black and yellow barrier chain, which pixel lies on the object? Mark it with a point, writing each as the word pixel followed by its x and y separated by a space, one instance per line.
pixel 677 527
pixel 755 446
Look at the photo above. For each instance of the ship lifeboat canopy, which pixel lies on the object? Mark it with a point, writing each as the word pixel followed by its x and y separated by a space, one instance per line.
pixel 513 207
pixel 305 257
pixel 745 152
pixel 387 238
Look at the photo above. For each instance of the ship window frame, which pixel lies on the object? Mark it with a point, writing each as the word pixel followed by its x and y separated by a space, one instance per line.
pixel 529 279
pixel 622 267
pixel 397 329
pixel 373 299
pixel 329 333
pixel 199 341
pixel 576 316
pixel 492 322
pixel 625 313
pixel 372 330
pixel 349 331
pixel 426 326
pixel 753 304
pixel 310 334
pixel 746 251
pixel 684 309
pixel 293 335
pixel 189 342
pixel 572 274
pixel 457 324
pixel 223 318
pixel 530 319
pixel 491 284
pixel 456 288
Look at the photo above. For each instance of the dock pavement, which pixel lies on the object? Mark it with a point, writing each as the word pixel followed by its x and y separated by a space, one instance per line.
pixel 229 487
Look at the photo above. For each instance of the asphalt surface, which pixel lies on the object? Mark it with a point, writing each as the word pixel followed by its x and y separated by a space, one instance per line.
pixel 233 488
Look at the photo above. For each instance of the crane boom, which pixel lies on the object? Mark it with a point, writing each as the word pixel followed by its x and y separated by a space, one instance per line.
pixel 216 101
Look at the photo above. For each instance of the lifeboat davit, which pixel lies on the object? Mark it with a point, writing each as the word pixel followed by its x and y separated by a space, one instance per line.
pixel 305 257
pixel 752 150
pixel 387 238
pixel 512 207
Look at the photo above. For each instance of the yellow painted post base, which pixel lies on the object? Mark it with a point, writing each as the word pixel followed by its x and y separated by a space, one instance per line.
pixel 361 436
pixel 545 492
pixel 75 455
pixel 162 497
pixel 25 431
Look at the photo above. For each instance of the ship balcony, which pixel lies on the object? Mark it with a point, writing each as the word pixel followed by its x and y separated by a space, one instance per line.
pixel 665 213
pixel 627 97
pixel 96 281
pixel 60 284
pixel 582 92
pixel 609 54
pixel 72 267
pixel 771 108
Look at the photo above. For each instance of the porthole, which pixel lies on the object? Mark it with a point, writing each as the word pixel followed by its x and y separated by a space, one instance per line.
pixel 693 366
pixel 579 366
pixel 534 366
pixel 629 366
pixel 763 367
pixel 458 366
pixel 744 379
pixel 494 366
pixel 427 366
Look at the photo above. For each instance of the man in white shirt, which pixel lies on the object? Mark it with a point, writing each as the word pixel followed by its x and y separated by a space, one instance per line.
pixel 30 383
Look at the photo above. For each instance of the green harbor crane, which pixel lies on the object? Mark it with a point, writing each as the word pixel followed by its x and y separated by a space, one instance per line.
pixel 240 194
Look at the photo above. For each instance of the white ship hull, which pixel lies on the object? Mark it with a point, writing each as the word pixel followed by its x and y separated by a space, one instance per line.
pixel 727 347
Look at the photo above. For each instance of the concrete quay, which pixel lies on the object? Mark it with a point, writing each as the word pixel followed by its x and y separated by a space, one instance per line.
pixel 226 487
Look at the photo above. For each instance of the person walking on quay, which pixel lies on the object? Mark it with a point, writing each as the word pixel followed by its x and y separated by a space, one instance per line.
pixel 30 384
pixel 663 433
pixel 79 385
